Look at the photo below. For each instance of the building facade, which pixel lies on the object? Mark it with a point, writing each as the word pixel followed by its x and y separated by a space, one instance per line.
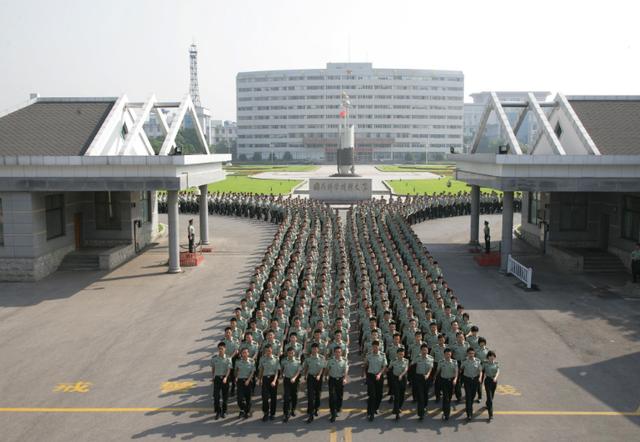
pixel 580 178
pixel 399 114
pixel 224 131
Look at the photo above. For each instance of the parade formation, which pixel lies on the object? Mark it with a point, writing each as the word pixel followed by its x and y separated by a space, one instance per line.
pixel 322 283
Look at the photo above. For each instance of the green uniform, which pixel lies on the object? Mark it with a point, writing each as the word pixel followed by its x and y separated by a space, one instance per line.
pixel 269 365
pixel 424 364
pixel 337 368
pixel 438 353
pixel 290 367
pixel 253 348
pixel 490 369
pixel 459 351
pixel 399 366
pixel 297 348
pixel 221 364
pixel 231 345
pixel 245 368
pixel 448 369
pixel 481 353
pixel 473 342
pixel 471 367
pixel 376 362
pixel 314 364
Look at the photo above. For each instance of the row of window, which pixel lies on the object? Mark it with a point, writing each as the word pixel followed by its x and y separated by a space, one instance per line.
pixel 354 107
pixel 336 117
pixel 335 126
pixel 573 211
pixel 267 146
pixel 350 87
pixel 457 98
pixel 242 79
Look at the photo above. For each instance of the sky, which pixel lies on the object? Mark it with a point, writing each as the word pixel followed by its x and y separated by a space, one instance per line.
pixel 139 47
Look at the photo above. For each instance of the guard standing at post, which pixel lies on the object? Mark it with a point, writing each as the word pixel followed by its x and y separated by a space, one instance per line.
pixel 268 377
pixel 337 372
pixel 191 235
pixel 314 365
pixel 399 368
pixel 635 262
pixel 245 369
pixel 291 369
pixel 448 371
pixel 375 366
pixel 470 371
pixel 487 237
pixel 220 369
pixel 490 372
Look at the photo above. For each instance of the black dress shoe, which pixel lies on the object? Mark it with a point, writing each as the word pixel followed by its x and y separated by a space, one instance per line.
pixel 293 414
pixel 315 413
pixel 332 419
pixel 272 417
pixel 370 418
pixel 421 418
pixel 286 418
pixel 265 418
pixel 223 415
pixel 310 419
pixel 397 416
pixel 217 416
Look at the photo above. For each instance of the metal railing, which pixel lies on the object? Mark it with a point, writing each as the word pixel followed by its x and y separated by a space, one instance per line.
pixel 524 274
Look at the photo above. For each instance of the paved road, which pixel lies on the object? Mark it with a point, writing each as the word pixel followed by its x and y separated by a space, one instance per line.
pixel 567 348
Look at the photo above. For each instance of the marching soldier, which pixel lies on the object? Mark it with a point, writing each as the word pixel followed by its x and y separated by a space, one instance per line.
pixel 314 365
pixel 337 372
pixel 245 370
pixel 487 237
pixel 375 365
pixel 268 378
pixel 291 369
pixel 470 372
pixel 399 367
pixel 490 373
pixel 448 371
pixel 424 365
pixel 191 236
pixel 220 369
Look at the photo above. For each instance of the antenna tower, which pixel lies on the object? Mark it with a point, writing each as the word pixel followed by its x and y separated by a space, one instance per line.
pixel 194 90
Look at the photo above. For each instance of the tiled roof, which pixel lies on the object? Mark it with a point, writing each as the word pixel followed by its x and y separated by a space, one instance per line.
pixel 64 128
pixel 614 125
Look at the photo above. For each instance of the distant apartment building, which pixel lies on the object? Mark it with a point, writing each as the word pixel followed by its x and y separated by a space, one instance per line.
pixel 153 127
pixel 224 131
pixel 473 113
pixel 399 114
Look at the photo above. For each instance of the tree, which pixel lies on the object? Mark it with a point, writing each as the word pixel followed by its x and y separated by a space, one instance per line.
pixel 257 156
pixel 242 157
pixel 287 156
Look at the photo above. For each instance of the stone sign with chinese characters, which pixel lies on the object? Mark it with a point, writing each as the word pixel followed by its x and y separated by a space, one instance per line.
pixel 340 189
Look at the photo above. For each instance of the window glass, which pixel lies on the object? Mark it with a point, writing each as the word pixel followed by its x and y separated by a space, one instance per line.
pixel 54 215
pixel 108 208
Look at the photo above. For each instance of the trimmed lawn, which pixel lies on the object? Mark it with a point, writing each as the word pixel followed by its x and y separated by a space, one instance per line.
pixel 440 169
pixel 240 183
pixel 420 187
pixel 252 169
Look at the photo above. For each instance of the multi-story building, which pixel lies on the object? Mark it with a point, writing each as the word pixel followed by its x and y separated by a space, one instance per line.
pixel 399 114
pixel 473 113
pixel 224 131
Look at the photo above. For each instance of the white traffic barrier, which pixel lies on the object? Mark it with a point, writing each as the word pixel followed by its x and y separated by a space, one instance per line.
pixel 524 274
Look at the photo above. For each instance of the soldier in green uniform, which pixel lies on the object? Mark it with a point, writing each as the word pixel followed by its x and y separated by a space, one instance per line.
pixel 337 372
pixel 268 378
pixel 400 368
pixel 470 370
pixel 375 365
pixel 232 346
pixel 245 369
pixel 220 369
pixel 291 369
pixel 459 353
pixel 448 372
pixel 490 372
pixel 635 262
pixel 314 365
pixel 487 237
pixel 424 366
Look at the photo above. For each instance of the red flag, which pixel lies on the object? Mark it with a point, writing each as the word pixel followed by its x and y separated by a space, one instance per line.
pixel 343 113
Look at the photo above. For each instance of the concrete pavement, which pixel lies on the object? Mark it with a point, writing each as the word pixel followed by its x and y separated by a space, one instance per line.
pixel 125 355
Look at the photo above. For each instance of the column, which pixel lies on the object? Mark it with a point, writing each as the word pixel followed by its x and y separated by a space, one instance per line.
pixel 174 234
pixel 475 215
pixel 204 215
pixel 507 229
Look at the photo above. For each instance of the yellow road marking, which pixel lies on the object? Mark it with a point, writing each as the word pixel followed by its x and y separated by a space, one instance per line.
pixel 333 435
pixel 347 434
pixel 73 387
pixel 176 387
pixel 510 390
